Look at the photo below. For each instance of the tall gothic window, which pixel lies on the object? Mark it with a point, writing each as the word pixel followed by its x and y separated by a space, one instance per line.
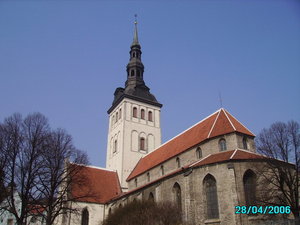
pixel 134 112
pixel 135 182
pixel 222 145
pixel 177 194
pixel 151 197
pixel 142 143
pixel 249 181
pixel 178 162
pixel 245 146
pixel 142 114
pixel 210 190
pixel 85 217
pixel 148 177
pixel 199 153
pixel 150 116
pixel 120 113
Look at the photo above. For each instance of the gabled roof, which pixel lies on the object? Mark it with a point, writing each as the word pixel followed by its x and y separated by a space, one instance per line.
pixel 220 157
pixel 102 185
pixel 218 123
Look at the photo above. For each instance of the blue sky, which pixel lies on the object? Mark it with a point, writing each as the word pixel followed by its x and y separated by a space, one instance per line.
pixel 65 59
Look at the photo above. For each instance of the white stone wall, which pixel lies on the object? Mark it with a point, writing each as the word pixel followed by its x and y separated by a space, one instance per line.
pixel 96 214
pixel 126 132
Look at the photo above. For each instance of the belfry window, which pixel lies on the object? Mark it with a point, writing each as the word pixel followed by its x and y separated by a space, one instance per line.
pixel 150 116
pixel 177 195
pixel 115 146
pixel 85 217
pixel 132 73
pixel 142 143
pixel 138 73
pixel 222 145
pixel 133 54
pixel 134 112
pixel 245 145
pixel 210 190
pixel 249 181
pixel 199 153
pixel 143 114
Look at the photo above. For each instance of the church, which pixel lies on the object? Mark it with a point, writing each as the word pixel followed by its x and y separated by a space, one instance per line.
pixel 206 170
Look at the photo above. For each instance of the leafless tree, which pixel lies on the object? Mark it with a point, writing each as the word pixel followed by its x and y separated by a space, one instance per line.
pixel 22 142
pixel 280 177
pixel 57 175
pixel 37 173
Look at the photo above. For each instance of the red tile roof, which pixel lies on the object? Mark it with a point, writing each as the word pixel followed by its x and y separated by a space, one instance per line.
pixel 102 186
pixel 227 156
pixel 220 157
pixel 218 123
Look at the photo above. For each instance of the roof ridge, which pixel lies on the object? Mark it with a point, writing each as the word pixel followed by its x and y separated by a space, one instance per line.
pixel 240 122
pixel 94 167
pixel 214 123
pixel 233 154
pixel 229 119
pixel 181 133
pixel 199 160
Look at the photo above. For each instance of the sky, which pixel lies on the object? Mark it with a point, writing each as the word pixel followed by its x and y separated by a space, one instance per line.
pixel 65 59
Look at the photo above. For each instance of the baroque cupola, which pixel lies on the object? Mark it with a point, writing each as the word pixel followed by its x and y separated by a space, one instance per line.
pixel 135 87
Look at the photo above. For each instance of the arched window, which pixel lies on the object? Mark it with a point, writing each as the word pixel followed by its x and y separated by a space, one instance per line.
pixel 177 194
pixel 109 211
pixel 151 197
pixel 178 162
pixel 162 170
pixel 142 114
pixel 210 190
pixel 138 73
pixel 249 181
pixel 222 145
pixel 135 182
pixel 148 177
pixel 142 143
pixel 117 116
pixel 150 116
pixel 115 146
pixel 85 217
pixel 120 113
pixel 199 153
pixel 134 112
pixel 245 145
pixel 132 73
pixel 133 54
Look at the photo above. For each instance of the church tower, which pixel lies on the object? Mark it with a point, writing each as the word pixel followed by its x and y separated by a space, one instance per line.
pixel 134 119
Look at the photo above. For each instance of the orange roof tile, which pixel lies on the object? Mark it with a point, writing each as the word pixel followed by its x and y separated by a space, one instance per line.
pixel 102 186
pixel 227 156
pixel 231 155
pixel 218 123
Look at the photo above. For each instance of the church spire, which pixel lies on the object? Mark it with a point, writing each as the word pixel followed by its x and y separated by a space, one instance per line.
pixel 135 67
pixel 135 36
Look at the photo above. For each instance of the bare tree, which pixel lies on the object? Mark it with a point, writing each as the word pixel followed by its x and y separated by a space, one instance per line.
pixel 146 213
pixel 281 142
pixel 36 171
pixel 22 142
pixel 57 175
